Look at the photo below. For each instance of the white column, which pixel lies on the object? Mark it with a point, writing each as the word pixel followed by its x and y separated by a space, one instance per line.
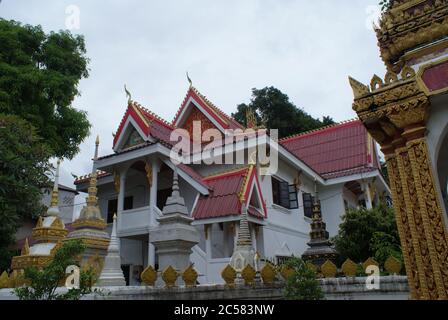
pixel 253 235
pixel 208 241
pixel 121 195
pixel 152 204
pixel 367 196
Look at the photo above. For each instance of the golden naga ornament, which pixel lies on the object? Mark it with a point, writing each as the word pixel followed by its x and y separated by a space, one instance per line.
pixel 268 273
pixel 169 275
pixel 190 276
pixel 229 275
pixel 149 276
pixel 370 262
pixel 393 265
pixel 349 268
pixel 287 272
pixel 311 266
pixel 4 280
pixel 329 269
pixel 248 274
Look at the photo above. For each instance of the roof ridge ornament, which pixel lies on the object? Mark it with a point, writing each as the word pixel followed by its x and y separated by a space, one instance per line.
pixel 128 95
pixel 189 80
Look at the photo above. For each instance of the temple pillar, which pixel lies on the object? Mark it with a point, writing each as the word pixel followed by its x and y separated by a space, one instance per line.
pixel 395 110
pixel 401 217
pixel 121 195
pixel 155 167
pixel 208 241
pixel 367 196
pixel 432 228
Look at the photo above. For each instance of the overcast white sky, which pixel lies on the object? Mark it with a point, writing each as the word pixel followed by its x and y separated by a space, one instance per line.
pixel 307 49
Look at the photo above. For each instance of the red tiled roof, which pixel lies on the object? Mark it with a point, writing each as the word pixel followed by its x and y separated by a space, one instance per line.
pixel 86 178
pixel 335 151
pixel 149 123
pixel 225 198
pixel 226 121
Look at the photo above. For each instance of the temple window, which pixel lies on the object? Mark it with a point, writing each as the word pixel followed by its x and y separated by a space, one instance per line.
pixel 308 200
pixel 284 194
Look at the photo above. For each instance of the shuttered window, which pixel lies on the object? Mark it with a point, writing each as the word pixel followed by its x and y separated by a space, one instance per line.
pixel 308 200
pixel 284 194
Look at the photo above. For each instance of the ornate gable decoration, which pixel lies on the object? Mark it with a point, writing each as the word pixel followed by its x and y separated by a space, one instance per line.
pixel 410 24
pixel 196 107
pixel 134 129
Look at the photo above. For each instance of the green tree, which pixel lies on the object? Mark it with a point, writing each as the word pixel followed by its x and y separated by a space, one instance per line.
pixel 273 109
pixel 303 285
pixel 368 233
pixel 43 283
pixel 39 76
pixel 23 172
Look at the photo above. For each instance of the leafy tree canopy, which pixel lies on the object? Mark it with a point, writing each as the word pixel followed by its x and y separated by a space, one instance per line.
pixel 273 109
pixel 23 168
pixel 368 233
pixel 39 75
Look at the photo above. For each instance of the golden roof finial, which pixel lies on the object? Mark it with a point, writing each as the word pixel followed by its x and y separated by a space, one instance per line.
pixel 189 80
pixel 128 94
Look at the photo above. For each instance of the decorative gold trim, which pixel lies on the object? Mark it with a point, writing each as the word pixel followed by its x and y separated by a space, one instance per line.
pixel 149 276
pixel 90 223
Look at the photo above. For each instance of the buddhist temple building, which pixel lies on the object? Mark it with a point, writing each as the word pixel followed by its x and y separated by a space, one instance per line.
pixel 136 180
pixel 405 112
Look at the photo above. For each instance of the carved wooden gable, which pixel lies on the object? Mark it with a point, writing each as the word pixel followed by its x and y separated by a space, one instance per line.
pixel 197 115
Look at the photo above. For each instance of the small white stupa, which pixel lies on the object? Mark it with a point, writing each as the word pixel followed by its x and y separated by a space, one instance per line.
pixel 112 275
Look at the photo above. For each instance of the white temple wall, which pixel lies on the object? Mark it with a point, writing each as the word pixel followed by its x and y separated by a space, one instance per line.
pixel 332 205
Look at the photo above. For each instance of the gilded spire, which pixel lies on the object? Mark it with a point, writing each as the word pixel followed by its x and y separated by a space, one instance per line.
pixel 92 199
pixel 54 194
pixel 26 248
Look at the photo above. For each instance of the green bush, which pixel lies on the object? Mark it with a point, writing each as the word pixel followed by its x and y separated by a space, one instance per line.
pixel 368 233
pixel 303 285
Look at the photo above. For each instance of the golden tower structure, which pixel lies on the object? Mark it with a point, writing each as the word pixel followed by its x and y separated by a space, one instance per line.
pixel 48 234
pixel 413 40
pixel 90 227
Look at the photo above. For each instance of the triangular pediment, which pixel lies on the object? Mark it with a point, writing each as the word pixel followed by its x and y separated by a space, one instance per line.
pixel 256 201
pixel 197 107
pixel 134 139
pixel 132 131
